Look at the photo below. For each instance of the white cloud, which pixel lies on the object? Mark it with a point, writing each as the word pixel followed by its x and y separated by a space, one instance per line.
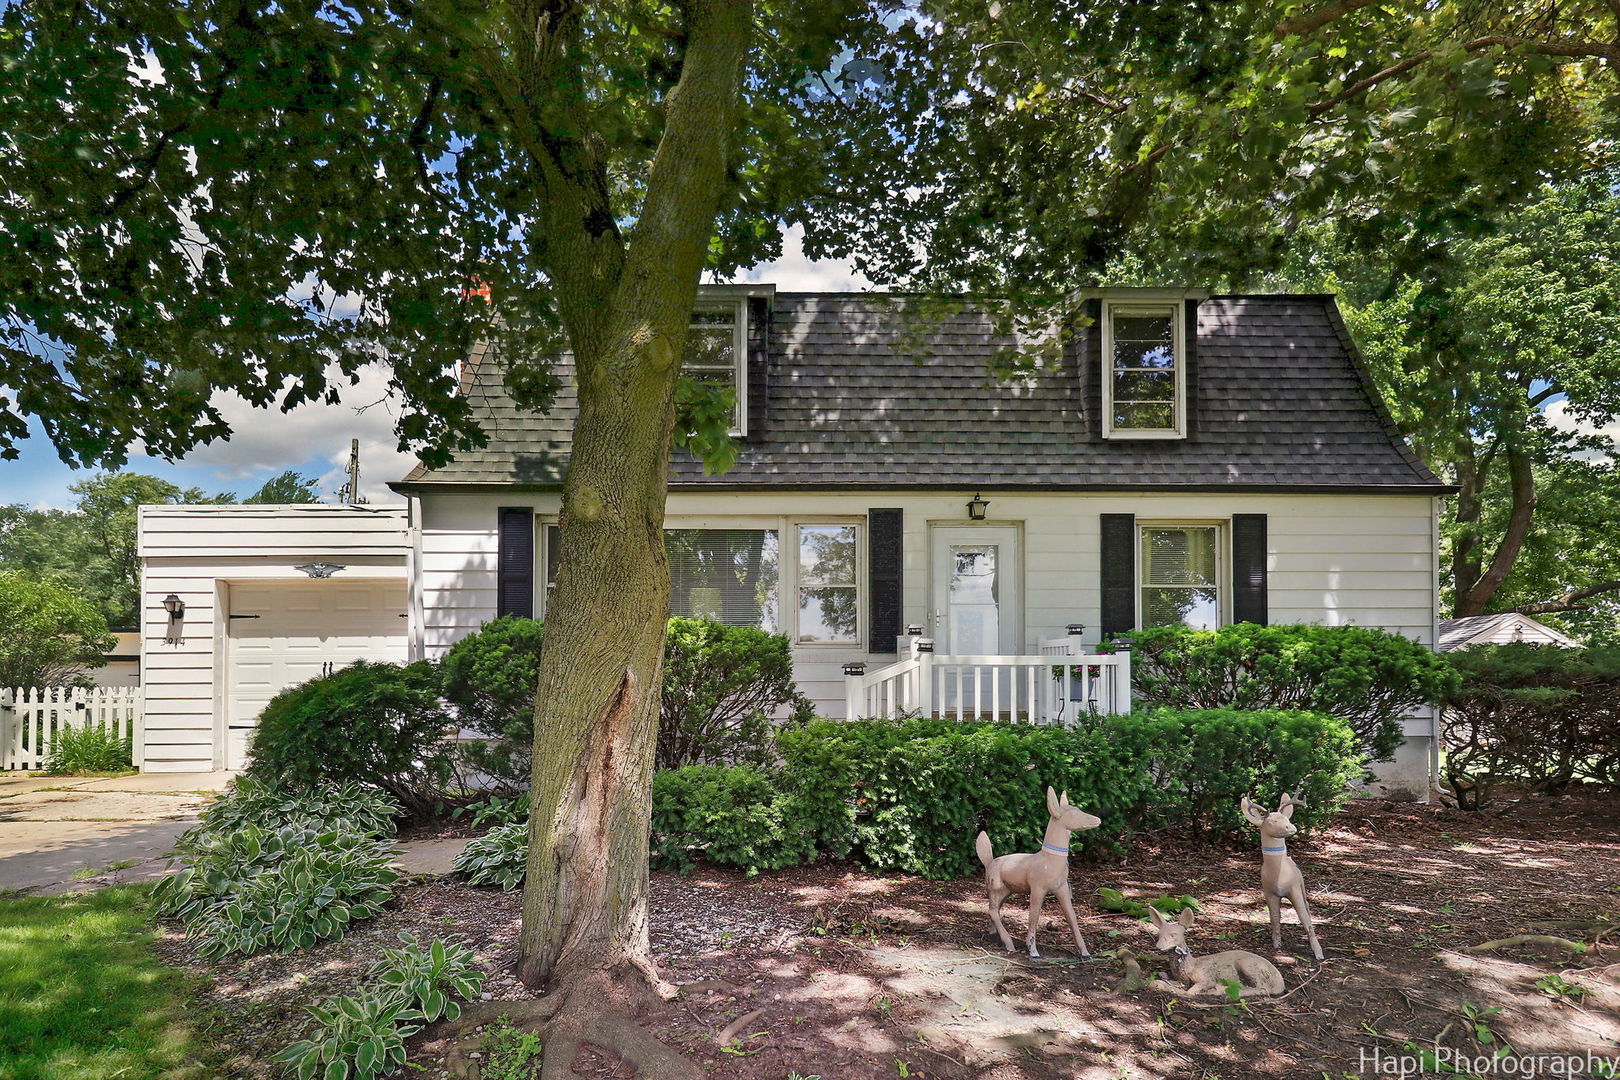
pixel 265 441
pixel 793 272
pixel 1559 416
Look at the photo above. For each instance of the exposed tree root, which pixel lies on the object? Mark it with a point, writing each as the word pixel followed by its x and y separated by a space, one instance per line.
pixel 1547 941
pixel 731 1029
pixel 597 1010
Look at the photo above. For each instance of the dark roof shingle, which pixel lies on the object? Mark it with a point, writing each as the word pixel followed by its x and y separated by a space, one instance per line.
pixel 846 392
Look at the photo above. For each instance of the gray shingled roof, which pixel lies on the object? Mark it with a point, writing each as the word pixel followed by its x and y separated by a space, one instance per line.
pixel 842 395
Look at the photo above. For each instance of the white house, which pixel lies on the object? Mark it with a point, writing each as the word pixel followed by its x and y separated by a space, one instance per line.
pixel 1184 457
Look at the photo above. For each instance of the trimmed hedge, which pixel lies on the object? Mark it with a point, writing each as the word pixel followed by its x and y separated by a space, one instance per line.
pixel 376 724
pixel 911 795
pixel 1367 677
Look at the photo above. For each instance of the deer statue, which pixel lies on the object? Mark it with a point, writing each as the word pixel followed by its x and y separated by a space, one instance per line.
pixel 1255 975
pixel 1279 875
pixel 1038 873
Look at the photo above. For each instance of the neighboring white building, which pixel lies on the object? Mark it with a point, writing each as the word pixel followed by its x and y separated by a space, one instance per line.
pixel 1507 628
pixel 123 666
pixel 1229 462
pixel 253 621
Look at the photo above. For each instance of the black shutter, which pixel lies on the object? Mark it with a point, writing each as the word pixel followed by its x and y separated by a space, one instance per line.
pixel 1249 568
pixel 1118 573
pixel 1189 363
pixel 1091 366
pixel 514 588
pixel 885 557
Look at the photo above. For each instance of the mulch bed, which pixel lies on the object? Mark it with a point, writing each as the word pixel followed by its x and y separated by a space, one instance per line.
pixel 862 976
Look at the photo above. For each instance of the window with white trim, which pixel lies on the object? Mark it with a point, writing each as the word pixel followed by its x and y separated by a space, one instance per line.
pixel 1144 380
pixel 717 352
pixel 1179 576
pixel 732 576
pixel 828 583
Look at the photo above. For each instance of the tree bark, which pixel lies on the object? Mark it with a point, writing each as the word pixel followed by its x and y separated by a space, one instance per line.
pixel 1521 514
pixel 585 899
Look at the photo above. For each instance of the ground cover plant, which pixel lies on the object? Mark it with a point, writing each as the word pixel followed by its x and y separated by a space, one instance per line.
pixel 362 1035
pixel 83 997
pixel 253 801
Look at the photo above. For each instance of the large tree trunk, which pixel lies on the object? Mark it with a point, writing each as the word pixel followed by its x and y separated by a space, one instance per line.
pixel 1472 598
pixel 584 937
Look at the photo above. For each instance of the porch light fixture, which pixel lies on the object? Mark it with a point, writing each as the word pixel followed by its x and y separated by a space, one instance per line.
pixel 924 644
pixel 913 630
pixel 320 569
pixel 1075 629
pixel 856 668
pixel 977 506
pixel 176 607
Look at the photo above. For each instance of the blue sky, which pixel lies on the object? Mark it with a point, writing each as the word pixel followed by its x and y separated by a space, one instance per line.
pixel 314 439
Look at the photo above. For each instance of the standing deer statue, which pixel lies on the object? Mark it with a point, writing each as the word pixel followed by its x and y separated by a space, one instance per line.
pixel 1037 873
pixel 1279 874
pixel 1255 975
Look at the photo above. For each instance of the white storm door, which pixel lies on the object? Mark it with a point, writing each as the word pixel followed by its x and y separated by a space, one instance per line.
pixel 283 633
pixel 977 587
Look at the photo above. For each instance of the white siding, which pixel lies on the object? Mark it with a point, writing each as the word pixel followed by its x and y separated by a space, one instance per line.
pixel 195 552
pixel 1334 559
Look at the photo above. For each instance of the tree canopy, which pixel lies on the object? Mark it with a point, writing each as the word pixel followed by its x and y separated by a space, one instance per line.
pixel 49 634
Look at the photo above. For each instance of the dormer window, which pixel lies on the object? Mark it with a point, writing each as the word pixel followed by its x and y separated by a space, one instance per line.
pixel 1144 379
pixel 717 351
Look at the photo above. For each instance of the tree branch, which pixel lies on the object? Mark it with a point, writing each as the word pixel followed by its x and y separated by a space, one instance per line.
pixel 1311 22
pixel 1522 481
pixel 1571 600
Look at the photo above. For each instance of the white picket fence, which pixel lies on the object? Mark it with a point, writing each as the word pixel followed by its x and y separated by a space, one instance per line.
pixel 31 717
pixel 1059 685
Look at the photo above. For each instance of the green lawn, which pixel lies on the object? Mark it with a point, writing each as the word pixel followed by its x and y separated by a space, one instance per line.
pixel 82 997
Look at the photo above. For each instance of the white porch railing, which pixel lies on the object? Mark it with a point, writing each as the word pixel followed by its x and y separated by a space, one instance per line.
pixel 1058 685
pixel 31 717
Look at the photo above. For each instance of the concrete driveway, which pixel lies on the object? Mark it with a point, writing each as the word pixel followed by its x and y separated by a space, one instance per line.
pixel 57 830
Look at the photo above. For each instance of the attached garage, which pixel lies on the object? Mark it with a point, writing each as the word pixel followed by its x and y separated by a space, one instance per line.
pixel 281 634
pixel 269 596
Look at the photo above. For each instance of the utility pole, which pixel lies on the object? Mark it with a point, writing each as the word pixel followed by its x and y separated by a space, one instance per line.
pixel 351 490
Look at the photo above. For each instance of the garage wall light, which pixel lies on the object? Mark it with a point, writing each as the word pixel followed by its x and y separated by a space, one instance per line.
pixel 174 633
pixel 320 569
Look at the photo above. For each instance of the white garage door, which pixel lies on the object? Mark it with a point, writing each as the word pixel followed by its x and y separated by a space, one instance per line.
pixel 282 633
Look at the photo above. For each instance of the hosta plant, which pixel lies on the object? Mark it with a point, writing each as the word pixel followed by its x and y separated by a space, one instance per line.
pixel 429 978
pixel 499 857
pixel 349 807
pixel 355 1038
pixel 252 889
pixel 358 1037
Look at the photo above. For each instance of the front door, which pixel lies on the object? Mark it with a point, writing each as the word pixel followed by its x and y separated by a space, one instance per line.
pixel 977 601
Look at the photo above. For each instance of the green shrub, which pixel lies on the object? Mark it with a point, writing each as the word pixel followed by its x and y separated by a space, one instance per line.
pixel 1369 678
pixel 491 677
pixel 723 688
pixel 911 795
pixel 376 724
pixel 1535 714
pixel 249 889
pixel 363 1035
pixel 732 816
pixel 88 749
pixel 347 807
pixel 499 857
